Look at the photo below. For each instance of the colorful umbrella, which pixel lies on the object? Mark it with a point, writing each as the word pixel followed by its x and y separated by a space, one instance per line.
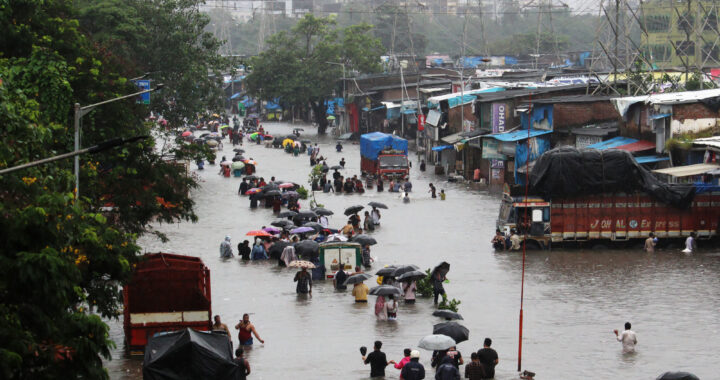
pixel 253 191
pixel 258 233
pixel 301 230
pixel 272 230
pixel 224 126
pixel 331 117
pixel 302 264
pixel 287 142
pixel 186 134
pixel 286 185
pixel 251 162
pixel 226 163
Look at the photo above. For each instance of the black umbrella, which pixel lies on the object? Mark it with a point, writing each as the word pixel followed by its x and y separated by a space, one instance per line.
pixel 307 214
pixel 402 269
pixel 385 290
pixel 363 240
pixel 377 205
pixel 353 209
pixel 276 249
pixel 677 376
pixel 454 330
pixel 315 226
pixel 238 150
pixel 287 214
pixel 442 269
pixel 310 246
pixel 205 134
pixel 282 222
pixel 447 314
pixel 237 158
pixel 387 271
pixel 357 278
pixel 270 186
pixel 322 211
pixel 251 177
pixel 336 167
pixel 273 193
pixel 413 275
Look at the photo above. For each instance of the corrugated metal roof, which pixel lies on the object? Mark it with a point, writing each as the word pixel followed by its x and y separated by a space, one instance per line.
pixel 624 103
pixel 688 170
pixel 520 134
pixel 708 141
pixel 637 146
pixel 452 139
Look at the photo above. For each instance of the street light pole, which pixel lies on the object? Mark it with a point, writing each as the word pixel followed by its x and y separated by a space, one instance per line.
pixel 343 79
pixel 82 111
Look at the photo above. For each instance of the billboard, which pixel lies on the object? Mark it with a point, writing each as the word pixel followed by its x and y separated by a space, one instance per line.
pixel 499 116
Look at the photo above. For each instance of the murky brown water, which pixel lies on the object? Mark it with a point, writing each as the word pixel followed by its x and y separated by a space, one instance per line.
pixel 573 299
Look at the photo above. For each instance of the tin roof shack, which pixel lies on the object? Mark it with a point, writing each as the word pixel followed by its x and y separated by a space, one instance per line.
pixel 580 120
pixel 661 117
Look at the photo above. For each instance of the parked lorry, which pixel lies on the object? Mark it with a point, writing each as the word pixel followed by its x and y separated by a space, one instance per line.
pixel 167 292
pixel 607 219
pixel 384 156
pixel 587 197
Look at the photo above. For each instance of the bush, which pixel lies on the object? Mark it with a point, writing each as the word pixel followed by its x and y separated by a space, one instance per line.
pixel 303 192
pixel 424 286
pixel 452 305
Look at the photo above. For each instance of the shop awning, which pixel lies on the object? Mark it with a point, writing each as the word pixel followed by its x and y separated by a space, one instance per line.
pixel 688 170
pixel 442 147
pixel 382 107
pixel 650 159
pixel 452 139
pixel 520 134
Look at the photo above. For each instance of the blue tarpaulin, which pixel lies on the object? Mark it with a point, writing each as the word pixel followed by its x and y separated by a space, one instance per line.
pixel 650 159
pixel 372 143
pixel 442 147
pixel 455 102
pixel 612 143
pixel 272 106
pixel 236 95
pixel 518 135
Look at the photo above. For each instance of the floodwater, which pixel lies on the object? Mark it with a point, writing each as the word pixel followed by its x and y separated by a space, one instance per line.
pixel 573 299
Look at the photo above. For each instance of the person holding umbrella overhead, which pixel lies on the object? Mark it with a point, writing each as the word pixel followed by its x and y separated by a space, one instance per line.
pixel 438 276
pixel 304 280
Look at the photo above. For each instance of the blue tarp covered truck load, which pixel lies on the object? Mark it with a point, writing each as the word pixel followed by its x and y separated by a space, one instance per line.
pixel 371 144
pixel 384 155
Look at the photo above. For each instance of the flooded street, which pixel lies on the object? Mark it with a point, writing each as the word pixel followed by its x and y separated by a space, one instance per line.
pixel 573 299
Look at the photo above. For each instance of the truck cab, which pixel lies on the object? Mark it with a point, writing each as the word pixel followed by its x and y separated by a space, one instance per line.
pixel 529 216
pixel 393 165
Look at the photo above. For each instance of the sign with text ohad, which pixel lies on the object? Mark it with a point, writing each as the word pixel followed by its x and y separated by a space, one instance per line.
pixel 143 85
pixel 499 114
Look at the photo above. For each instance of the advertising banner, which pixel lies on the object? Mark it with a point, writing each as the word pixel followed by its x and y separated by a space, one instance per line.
pixel 499 114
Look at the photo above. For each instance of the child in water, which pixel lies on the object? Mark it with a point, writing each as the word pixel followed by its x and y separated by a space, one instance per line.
pixel 442 194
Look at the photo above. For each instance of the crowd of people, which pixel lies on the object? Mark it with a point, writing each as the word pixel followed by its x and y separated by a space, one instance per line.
pixel 446 363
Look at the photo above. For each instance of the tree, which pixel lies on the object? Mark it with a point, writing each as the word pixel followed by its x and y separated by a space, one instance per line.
pixel 301 68
pixel 63 259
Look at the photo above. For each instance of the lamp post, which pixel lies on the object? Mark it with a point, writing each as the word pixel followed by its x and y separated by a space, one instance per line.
pixel 82 111
pixel 343 79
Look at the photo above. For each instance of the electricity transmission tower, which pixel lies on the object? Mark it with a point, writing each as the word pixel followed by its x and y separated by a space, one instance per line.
pixel 545 24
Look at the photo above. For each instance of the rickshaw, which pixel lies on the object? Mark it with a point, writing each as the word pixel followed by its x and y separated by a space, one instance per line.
pixel 334 254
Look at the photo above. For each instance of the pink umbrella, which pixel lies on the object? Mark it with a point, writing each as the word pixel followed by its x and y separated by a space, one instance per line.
pixel 253 191
pixel 286 185
pixel 272 230
pixel 186 134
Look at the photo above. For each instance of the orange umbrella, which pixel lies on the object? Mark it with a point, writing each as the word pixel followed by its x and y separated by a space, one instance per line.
pixel 258 233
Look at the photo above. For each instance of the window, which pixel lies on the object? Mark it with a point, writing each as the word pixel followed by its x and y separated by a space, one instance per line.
pixel 711 51
pixel 686 22
pixel 685 48
pixel 710 21
pixel 657 23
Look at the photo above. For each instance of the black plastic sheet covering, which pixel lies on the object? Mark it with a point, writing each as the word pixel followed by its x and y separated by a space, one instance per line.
pixel 189 354
pixel 677 376
pixel 568 172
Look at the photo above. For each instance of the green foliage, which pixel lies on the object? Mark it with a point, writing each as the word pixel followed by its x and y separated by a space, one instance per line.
pixel 451 305
pixel 685 140
pixel 303 192
pixel 425 286
pixel 298 66
pixel 62 260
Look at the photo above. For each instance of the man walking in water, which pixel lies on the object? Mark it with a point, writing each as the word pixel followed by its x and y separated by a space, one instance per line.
pixel 627 338
pixel 246 329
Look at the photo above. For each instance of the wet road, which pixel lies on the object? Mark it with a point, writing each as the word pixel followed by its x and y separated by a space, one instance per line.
pixel 573 299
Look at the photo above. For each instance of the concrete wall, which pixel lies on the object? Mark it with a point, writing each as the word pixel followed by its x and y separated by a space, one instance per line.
pixel 692 118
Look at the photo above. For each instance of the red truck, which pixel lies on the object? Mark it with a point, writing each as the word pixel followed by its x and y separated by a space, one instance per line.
pixel 167 292
pixel 602 220
pixel 384 155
